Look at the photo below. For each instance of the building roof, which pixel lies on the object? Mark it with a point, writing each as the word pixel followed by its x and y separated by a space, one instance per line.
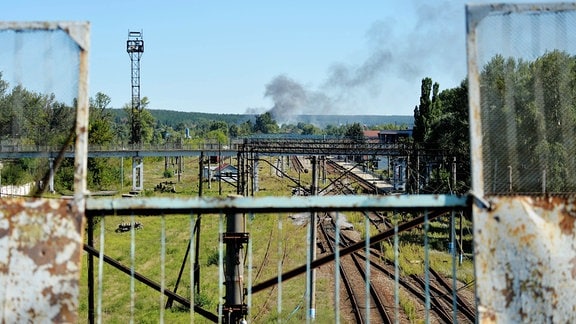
pixel 371 133
pixel 225 166
pixel 396 132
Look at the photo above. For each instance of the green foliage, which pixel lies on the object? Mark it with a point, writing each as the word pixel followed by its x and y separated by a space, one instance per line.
pixel 530 106
pixel 201 300
pixel 18 172
pixel 100 129
pixel 428 112
pixel 142 119
pixel 64 178
pixel 213 258
pixel 265 124
pixel 33 118
pixel 217 135
pixel 441 125
pixel 355 132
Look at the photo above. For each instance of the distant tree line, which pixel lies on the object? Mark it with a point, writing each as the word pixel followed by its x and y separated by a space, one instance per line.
pixel 34 119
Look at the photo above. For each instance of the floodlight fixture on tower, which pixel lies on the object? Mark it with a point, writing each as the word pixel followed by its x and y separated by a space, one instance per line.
pixel 135 43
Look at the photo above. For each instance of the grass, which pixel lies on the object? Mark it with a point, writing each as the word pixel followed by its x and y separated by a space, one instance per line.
pixel 270 245
pixel 407 305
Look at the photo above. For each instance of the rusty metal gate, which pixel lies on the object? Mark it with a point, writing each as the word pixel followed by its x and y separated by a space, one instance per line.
pixel 41 239
pixel 522 106
pixel 522 74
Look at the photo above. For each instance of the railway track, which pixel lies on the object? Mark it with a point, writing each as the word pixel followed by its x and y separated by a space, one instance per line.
pixel 435 298
pixel 353 178
pixel 442 298
pixel 352 272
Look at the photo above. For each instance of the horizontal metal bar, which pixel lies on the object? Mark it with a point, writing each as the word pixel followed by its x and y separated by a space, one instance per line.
pixel 156 206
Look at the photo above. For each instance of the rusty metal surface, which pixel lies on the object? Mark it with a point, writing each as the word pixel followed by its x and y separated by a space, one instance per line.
pixel 82 109
pixel 525 260
pixel 40 253
pixel 524 251
pixel 41 239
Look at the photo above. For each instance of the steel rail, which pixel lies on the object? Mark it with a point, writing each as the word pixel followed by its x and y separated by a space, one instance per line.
pixel 347 285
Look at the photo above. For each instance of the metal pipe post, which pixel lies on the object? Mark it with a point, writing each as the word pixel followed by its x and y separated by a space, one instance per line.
pixel 234 308
pixel 313 235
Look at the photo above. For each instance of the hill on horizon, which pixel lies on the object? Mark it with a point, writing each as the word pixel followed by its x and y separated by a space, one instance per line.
pixel 174 118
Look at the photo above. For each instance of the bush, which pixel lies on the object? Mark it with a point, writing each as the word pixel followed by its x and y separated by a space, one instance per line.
pixel 213 258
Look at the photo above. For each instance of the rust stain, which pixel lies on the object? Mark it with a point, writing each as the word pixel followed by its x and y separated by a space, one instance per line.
pixel 567 223
pixel 547 202
pixel 573 271
pixel 42 240
pixel 528 239
pixel 488 316
pixel 518 230
pixel 552 292
pixel 509 292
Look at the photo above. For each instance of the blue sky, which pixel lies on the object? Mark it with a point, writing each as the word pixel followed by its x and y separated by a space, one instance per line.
pixel 337 57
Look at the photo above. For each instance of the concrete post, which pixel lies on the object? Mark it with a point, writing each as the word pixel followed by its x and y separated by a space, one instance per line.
pixel 137 174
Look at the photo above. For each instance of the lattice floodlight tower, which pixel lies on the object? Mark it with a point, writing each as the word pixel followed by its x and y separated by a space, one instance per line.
pixel 522 98
pixel 135 48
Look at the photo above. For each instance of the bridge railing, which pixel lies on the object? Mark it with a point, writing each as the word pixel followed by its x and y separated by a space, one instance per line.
pixel 151 258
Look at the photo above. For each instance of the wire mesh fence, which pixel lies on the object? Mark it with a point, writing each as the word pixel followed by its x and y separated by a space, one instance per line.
pixel 522 108
pixel 522 61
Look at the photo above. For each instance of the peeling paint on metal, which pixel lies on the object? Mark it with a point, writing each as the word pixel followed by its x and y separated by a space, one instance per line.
pixel 525 262
pixel 150 206
pixel 525 256
pixel 40 253
pixel 41 239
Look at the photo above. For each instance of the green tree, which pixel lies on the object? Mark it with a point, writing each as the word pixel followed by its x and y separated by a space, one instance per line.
pixel 100 132
pixel 246 128
pixel 219 125
pixel 144 120
pixel 428 112
pixel 265 124
pixel 100 129
pixel 355 132
pixel 217 135
pixel 234 131
pixel 450 134
pixel 334 130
